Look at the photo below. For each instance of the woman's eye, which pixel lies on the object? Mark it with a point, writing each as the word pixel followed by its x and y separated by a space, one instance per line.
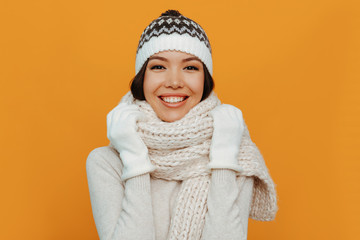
pixel 191 68
pixel 157 67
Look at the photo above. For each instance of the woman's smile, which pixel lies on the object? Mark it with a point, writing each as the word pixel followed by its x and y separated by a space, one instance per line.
pixel 173 100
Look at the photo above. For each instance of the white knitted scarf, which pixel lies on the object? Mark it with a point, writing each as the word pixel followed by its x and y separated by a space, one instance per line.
pixel 180 152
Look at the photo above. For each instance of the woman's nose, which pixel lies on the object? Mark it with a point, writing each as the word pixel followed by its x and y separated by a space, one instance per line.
pixel 174 80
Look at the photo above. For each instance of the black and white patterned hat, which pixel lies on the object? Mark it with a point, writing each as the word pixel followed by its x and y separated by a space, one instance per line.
pixel 173 31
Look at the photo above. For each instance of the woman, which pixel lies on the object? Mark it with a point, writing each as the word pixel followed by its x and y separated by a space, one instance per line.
pixel 180 165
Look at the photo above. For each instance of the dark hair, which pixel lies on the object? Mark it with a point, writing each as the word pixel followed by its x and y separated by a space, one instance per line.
pixel 137 83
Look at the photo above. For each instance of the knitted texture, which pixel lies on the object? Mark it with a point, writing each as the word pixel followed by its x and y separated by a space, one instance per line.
pixel 180 152
pixel 173 31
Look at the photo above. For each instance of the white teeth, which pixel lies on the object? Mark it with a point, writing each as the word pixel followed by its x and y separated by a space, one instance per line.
pixel 173 99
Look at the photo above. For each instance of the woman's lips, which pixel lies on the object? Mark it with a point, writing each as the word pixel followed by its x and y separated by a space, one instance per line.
pixel 173 104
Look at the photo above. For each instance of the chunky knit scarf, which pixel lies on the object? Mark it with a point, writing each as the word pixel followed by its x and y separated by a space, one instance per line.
pixel 180 152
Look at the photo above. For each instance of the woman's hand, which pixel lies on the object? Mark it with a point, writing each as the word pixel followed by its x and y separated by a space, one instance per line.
pixel 228 130
pixel 121 131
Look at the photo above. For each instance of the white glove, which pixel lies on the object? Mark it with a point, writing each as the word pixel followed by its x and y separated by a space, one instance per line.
pixel 226 139
pixel 121 131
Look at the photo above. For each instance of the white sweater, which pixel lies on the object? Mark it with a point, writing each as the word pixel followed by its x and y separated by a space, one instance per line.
pixel 141 207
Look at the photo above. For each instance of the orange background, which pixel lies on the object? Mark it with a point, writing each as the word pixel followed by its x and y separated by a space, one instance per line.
pixel 292 67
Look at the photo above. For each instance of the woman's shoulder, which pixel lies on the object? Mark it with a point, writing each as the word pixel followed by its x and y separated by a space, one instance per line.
pixel 103 151
pixel 105 157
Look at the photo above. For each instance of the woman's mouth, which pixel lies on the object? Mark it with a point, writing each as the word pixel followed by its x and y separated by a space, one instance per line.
pixel 173 101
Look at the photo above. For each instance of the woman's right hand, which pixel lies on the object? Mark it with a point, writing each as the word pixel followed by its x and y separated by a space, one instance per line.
pixel 121 131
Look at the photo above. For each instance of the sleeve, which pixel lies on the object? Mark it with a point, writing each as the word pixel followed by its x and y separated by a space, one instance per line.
pixel 229 202
pixel 120 210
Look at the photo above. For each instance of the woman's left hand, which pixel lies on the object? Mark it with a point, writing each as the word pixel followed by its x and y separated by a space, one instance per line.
pixel 228 130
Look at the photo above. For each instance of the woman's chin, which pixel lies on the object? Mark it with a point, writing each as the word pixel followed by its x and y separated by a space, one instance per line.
pixel 171 116
pixel 171 119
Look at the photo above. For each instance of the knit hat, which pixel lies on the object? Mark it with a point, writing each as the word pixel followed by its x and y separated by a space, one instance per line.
pixel 173 31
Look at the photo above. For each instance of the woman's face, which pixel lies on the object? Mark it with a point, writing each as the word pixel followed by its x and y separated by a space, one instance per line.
pixel 173 84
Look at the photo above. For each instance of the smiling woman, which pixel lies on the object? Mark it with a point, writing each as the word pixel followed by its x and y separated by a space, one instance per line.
pixel 180 165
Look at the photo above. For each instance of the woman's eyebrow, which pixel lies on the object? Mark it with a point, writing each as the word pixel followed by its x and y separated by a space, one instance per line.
pixel 190 59
pixel 166 60
pixel 157 57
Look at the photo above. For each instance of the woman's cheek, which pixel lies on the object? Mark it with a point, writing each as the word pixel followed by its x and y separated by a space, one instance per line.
pixel 196 83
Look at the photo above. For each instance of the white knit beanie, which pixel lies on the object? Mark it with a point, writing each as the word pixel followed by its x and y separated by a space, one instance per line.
pixel 173 31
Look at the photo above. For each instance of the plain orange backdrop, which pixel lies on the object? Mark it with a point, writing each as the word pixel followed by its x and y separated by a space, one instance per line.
pixel 292 67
